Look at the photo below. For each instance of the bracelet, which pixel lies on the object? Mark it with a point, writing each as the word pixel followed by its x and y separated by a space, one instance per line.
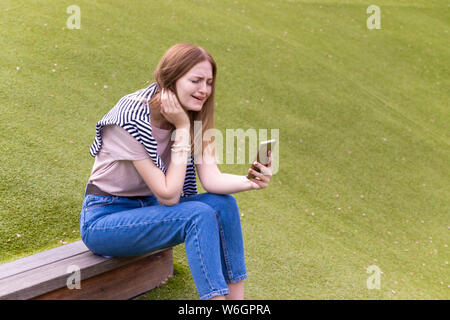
pixel 181 148
pixel 181 145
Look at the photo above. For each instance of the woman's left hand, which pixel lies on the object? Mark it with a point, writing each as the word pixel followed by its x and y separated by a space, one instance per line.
pixel 262 178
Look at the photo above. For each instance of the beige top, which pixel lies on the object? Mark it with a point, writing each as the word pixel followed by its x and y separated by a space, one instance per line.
pixel 113 169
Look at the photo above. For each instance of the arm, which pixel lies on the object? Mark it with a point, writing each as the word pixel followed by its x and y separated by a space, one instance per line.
pixel 214 181
pixel 166 188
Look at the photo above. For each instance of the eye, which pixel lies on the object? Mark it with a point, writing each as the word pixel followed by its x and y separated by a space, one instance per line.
pixel 198 81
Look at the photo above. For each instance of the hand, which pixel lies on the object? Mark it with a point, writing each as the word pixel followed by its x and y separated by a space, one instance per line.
pixel 172 110
pixel 262 178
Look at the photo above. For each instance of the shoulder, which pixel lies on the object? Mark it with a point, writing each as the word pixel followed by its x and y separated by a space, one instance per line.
pixel 134 106
pixel 142 95
pixel 119 141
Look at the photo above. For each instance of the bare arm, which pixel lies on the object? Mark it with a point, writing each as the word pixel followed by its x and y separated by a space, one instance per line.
pixel 214 181
pixel 167 188
pixel 227 183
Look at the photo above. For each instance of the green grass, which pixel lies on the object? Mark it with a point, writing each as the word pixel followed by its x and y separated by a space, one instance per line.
pixel 363 118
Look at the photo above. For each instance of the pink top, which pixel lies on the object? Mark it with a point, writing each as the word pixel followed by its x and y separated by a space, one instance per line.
pixel 113 169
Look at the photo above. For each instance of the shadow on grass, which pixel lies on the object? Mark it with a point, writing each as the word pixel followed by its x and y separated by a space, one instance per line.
pixel 179 287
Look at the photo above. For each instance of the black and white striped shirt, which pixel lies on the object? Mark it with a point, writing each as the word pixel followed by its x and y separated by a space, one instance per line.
pixel 132 113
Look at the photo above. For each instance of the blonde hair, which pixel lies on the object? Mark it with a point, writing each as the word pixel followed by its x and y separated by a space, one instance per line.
pixel 175 63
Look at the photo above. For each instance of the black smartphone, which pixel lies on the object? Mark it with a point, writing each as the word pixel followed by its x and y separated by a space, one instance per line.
pixel 261 156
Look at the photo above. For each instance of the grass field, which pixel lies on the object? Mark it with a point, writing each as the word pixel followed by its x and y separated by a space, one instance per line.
pixel 363 118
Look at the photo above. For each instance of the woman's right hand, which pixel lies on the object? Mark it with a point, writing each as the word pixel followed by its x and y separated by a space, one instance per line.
pixel 172 110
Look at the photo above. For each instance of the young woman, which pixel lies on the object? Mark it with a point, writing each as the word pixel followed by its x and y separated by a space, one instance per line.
pixel 142 194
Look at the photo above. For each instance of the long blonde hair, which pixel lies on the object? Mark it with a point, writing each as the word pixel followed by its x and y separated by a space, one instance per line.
pixel 175 63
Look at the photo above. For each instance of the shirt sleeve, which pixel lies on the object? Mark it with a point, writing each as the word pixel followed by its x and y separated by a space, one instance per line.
pixel 120 145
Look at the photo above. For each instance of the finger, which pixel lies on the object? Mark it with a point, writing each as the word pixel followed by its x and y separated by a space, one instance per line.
pixel 255 173
pixel 176 106
pixel 260 167
pixel 173 101
pixel 164 97
pixel 259 175
pixel 266 173
pixel 260 184
pixel 265 170
pixel 255 183
pixel 168 100
pixel 176 102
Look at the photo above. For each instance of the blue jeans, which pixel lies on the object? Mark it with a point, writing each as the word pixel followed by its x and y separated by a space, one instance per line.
pixel 209 225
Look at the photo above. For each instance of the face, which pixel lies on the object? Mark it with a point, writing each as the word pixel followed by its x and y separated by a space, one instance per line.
pixel 195 86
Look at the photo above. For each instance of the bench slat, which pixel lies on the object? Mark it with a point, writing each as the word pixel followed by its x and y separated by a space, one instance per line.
pixel 42 258
pixel 36 279
pixel 126 282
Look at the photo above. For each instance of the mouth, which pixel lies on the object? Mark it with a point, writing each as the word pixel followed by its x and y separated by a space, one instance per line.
pixel 199 98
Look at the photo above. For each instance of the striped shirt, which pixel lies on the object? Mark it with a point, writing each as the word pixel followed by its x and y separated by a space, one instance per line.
pixel 132 113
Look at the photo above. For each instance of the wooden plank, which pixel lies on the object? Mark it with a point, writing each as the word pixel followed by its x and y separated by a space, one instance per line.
pixel 52 276
pixel 42 258
pixel 122 283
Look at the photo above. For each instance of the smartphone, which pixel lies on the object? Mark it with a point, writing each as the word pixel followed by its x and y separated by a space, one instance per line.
pixel 262 156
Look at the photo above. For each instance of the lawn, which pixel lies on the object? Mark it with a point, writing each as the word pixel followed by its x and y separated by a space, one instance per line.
pixel 363 118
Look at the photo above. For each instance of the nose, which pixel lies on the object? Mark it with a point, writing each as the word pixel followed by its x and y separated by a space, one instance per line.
pixel 203 89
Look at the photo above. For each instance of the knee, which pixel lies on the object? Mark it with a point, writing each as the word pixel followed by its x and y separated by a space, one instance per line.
pixel 229 203
pixel 203 214
pixel 227 209
pixel 230 200
pixel 225 201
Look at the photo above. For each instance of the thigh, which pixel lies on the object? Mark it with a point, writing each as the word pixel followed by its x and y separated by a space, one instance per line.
pixel 219 202
pixel 224 204
pixel 140 230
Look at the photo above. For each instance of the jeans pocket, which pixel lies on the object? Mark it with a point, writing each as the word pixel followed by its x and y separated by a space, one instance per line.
pixel 93 207
pixel 93 201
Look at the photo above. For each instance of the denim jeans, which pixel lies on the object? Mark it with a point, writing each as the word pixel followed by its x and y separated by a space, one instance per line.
pixel 209 225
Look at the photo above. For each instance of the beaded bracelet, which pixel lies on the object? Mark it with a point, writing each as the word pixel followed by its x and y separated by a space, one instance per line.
pixel 181 150
pixel 181 147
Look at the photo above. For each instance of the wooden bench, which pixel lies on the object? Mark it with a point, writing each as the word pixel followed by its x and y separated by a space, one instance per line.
pixel 50 274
